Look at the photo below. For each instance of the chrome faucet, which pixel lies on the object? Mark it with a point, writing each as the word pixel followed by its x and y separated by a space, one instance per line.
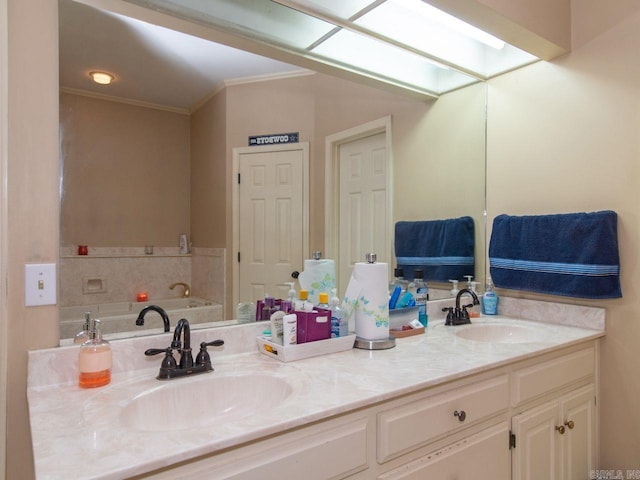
pixel 187 288
pixel 459 315
pixel 170 368
pixel 155 308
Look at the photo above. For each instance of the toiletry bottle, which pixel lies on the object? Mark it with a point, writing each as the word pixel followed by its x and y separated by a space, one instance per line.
pixel 287 305
pixel 94 360
pixel 83 335
pixel 303 303
pixel 323 300
pixel 421 295
pixel 276 327
pixel 339 326
pixel 269 307
pixel 290 330
pixel 398 279
pixel 454 287
pixel 490 300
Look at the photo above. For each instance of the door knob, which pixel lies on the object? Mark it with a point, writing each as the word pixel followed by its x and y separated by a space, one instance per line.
pixel 295 274
pixel 560 429
pixel 570 424
pixel 460 414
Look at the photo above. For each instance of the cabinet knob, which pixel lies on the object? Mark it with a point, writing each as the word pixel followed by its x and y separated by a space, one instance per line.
pixel 570 424
pixel 460 414
pixel 560 429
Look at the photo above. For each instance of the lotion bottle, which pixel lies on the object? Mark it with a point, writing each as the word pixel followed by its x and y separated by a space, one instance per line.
pixel 94 360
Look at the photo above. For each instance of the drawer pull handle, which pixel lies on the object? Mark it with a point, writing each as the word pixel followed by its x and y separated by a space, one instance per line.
pixel 560 429
pixel 460 414
pixel 570 424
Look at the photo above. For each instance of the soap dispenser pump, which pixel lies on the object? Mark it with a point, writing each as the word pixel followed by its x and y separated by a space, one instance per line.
pixel 94 360
pixel 83 335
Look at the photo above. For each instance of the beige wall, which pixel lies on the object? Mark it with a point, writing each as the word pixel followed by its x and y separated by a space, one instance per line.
pixel 126 174
pixel 424 152
pixel 565 137
pixel 32 197
pixel 209 173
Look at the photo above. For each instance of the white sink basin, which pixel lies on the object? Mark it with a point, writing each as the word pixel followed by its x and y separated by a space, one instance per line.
pixel 500 333
pixel 176 405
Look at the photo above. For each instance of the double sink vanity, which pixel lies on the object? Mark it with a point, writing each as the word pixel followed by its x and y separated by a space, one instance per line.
pixel 512 396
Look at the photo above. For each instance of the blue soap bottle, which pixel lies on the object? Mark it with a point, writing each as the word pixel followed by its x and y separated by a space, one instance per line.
pixel 490 300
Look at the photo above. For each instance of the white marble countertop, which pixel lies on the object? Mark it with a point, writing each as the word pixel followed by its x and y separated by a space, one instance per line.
pixel 78 433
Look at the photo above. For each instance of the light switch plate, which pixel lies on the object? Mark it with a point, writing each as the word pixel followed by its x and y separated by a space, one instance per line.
pixel 39 284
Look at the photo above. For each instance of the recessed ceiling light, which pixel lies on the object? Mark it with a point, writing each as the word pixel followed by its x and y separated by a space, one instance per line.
pixel 102 78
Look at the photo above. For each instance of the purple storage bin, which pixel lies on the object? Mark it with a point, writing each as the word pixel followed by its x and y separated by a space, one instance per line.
pixel 314 325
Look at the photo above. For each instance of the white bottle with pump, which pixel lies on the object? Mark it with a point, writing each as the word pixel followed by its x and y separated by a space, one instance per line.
pixel 287 305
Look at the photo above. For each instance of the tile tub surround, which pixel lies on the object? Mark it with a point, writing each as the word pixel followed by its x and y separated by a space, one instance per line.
pixel 103 447
pixel 126 271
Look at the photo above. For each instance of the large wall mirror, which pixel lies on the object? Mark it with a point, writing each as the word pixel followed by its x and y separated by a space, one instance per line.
pixel 138 172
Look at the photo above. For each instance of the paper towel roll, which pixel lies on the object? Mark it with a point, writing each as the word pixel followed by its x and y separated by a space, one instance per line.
pixel 367 298
pixel 318 276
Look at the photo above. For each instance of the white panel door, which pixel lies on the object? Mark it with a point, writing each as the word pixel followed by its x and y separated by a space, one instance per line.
pixel 363 203
pixel 271 221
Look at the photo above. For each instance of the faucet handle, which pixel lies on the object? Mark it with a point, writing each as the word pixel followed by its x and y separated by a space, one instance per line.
pixel 203 357
pixel 168 362
pixel 450 315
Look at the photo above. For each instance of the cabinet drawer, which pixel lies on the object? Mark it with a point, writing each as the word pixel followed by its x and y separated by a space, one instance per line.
pixel 415 424
pixel 333 450
pixel 484 456
pixel 551 375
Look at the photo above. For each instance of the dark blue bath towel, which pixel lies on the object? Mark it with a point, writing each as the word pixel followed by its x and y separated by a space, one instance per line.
pixel 573 255
pixel 443 249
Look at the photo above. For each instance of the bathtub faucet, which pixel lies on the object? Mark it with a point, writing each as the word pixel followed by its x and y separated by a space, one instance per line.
pixel 187 289
pixel 155 308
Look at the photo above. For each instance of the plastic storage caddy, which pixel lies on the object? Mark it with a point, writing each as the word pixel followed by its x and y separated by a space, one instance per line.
pixel 305 350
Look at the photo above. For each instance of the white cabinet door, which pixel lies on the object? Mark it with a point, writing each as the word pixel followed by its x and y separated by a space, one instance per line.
pixel 557 439
pixel 578 415
pixel 535 457
pixel 483 456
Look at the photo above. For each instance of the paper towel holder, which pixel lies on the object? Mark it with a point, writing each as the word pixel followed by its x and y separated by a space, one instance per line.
pixel 381 343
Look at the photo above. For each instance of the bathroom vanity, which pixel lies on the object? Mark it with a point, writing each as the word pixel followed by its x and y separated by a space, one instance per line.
pixel 520 393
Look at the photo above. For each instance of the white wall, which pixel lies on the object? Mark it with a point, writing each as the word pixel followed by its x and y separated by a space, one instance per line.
pixel 565 137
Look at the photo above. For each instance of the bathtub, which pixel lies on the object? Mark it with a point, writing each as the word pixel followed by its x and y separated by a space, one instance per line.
pixel 121 317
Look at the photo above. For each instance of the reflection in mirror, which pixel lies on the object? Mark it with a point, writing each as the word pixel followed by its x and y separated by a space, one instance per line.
pixel 137 175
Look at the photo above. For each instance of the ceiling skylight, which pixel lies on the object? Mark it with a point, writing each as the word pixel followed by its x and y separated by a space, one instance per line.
pixel 407 43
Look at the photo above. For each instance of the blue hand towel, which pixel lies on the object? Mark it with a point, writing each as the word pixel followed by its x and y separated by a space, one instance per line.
pixel 572 255
pixel 443 249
